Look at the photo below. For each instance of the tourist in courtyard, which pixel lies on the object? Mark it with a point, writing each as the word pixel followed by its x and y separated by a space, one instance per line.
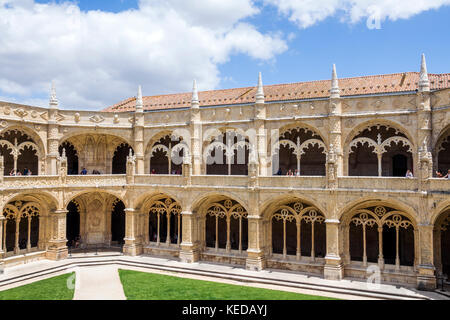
pixel 409 174
pixel 25 171
pixel 12 172
pixel 279 172
pixel 439 174
pixel 84 171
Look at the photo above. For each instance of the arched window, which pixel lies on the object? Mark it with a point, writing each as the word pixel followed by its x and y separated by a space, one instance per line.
pixel 226 226
pixel 167 155
pixel 380 151
pixel 165 221
pixel 21 154
pixel 441 236
pixel 299 150
pixel 443 153
pixel 118 222
pixel 227 154
pixel 298 229
pixel 21 227
pixel 381 234
pixel 72 157
pixel 119 162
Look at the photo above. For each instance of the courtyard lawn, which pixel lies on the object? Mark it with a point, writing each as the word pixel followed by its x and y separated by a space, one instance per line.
pixel 150 286
pixel 49 289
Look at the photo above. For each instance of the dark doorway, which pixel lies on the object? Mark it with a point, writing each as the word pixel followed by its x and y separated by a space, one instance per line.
pixel 399 165
pixel 72 224
pixel 119 162
pixel 118 224
pixel 72 157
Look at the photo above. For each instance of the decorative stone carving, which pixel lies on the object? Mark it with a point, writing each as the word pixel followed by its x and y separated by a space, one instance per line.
pixel 7 110
pixel 116 118
pixel 3 124
pixel 21 113
pixel 96 118
pixel 76 117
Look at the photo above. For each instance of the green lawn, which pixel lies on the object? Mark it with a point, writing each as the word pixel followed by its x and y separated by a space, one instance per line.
pixel 149 286
pixel 49 289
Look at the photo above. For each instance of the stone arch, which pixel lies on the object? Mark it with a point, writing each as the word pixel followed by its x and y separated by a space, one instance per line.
pixel 162 147
pixel 295 227
pixel 96 151
pixel 441 151
pixel 376 152
pixel 162 222
pixel 441 241
pixel 300 148
pixel 75 195
pixel 31 145
pixel 200 201
pixel 231 147
pixel 101 218
pixel 376 231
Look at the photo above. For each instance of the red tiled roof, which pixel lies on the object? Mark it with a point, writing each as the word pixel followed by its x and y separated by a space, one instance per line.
pixel 389 83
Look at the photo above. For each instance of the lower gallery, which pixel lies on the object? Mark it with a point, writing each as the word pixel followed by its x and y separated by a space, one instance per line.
pixel 309 177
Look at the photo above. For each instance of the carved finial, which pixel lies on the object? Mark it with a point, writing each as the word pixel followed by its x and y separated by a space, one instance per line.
pixel 424 83
pixel 131 153
pixel 260 91
pixel 424 145
pixel 335 92
pixel 379 139
pixel 63 153
pixel 53 100
pixel 194 101
pixel 139 102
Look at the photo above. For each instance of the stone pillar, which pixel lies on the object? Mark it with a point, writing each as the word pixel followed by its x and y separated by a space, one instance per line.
pixel 52 133
pixel 190 251
pixel 255 252
pixel 333 269
pixel 424 130
pixel 2 218
pixel 139 142
pixel 332 168
pixel 57 248
pixel 426 279
pixel 2 168
pixel 131 247
pixel 131 168
pixel 335 122
pixel 187 171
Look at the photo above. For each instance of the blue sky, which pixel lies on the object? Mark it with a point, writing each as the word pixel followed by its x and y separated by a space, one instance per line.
pixel 263 36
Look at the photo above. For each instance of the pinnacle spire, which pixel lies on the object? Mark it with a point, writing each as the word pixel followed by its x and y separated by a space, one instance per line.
pixel 334 84
pixel 260 91
pixel 53 100
pixel 424 83
pixel 139 102
pixel 194 101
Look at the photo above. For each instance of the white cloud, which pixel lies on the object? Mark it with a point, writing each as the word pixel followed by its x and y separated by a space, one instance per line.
pixel 98 58
pixel 306 13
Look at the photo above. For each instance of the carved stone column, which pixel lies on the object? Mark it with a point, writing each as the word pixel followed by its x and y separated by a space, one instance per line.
pixel 332 168
pixel 255 252
pixel 190 251
pixel 333 268
pixel 2 218
pixel 426 279
pixel 2 168
pixel 131 247
pixel 335 122
pixel 139 142
pixel 57 248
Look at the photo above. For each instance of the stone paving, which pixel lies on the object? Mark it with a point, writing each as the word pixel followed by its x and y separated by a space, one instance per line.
pixel 102 282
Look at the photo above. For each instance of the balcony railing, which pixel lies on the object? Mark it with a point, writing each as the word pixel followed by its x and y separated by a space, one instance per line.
pixel 217 181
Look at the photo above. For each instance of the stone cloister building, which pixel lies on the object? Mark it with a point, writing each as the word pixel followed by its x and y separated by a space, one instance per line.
pixel 201 176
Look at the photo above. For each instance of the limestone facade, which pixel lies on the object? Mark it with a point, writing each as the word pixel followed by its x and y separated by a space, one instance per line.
pixel 350 211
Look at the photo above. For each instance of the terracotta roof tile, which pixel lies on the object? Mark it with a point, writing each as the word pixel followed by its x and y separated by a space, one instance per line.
pixel 389 83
